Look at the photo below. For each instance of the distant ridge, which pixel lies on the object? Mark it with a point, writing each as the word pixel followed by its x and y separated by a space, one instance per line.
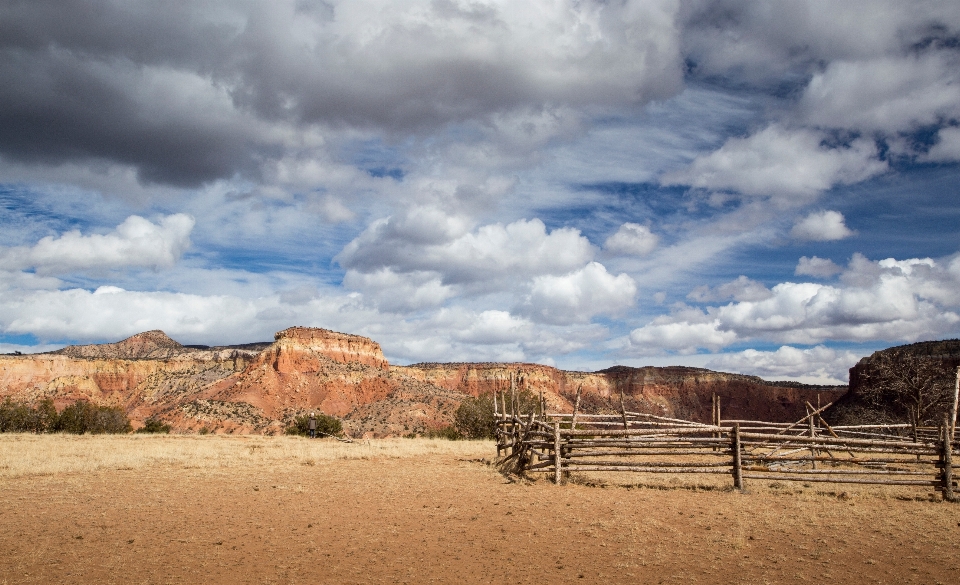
pixel 147 345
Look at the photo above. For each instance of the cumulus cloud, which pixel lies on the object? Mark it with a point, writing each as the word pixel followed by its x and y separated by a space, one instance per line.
pixel 189 95
pixel 762 42
pixel 821 226
pixel 392 291
pixel 684 336
pixel 632 240
pixel 887 94
pixel 482 259
pixel 817 267
pixel 578 296
pixel 136 242
pixel 741 289
pixel 780 162
pixel 891 299
pixel 816 365
pixel 947 147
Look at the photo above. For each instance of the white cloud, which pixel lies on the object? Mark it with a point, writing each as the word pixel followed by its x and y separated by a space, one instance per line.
pixel 135 243
pixel 822 226
pixel 887 94
pixel 947 148
pixel 741 289
pixel 763 41
pixel 816 365
pixel 632 239
pixel 781 163
pixel 902 300
pixel 817 267
pixel 392 291
pixel 487 259
pixel 495 327
pixel 663 333
pixel 580 295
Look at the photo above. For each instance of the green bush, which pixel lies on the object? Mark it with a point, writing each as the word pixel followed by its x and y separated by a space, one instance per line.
pixel 326 425
pixel 154 425
pixel 474 418
pixel 14 417
pixel 82 417
pixel 21 418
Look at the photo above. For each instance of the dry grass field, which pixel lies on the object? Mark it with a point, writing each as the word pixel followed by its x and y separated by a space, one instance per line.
pixel 215 509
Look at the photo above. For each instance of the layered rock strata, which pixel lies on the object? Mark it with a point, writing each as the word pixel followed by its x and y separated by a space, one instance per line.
pixel 241 389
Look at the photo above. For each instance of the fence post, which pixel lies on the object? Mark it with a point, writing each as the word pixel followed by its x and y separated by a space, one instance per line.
pixel 556 452
pixel 623 410
pixel 737 463
pixel 813 433
pixel 576 409
pixel 946 461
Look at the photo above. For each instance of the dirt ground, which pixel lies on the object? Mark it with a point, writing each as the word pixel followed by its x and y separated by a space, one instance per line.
pixel 444 516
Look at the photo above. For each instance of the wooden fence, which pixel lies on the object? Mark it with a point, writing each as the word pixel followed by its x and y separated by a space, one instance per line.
pixel 808 450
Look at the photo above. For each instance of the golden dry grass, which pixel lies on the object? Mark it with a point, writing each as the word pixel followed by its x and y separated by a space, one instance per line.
pixel 26 455
pixel 189 509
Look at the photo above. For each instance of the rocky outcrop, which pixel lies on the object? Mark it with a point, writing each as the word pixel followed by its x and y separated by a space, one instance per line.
pixel 298 349
pixel 147 345
pixel 873 398
pixel 259 388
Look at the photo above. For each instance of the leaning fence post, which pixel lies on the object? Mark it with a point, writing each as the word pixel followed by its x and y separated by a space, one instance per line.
pixel 737 463
pixel 946 458
pixel 556 452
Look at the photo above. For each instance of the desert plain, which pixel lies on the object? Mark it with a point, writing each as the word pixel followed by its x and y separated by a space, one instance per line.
pixel 259 509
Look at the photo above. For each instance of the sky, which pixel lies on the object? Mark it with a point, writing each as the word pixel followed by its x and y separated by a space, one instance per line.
pixel 768 188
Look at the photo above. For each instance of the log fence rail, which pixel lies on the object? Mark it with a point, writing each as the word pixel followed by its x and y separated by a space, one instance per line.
pixel 808 450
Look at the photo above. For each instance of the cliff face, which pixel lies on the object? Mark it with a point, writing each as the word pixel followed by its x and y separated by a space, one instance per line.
pixel 246 389
pixel 679 392
pixel 931 363
pixel 298 349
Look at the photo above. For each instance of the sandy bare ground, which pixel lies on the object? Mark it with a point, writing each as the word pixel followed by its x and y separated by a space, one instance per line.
pixel 285 510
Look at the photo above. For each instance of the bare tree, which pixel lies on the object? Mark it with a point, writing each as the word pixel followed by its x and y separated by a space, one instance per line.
pixel 918 387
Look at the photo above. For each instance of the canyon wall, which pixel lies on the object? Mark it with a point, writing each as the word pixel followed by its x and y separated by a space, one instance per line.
pixel 259 388
pixel 677 391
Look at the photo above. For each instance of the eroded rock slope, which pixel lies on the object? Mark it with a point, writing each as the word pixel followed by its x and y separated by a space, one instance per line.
pixel 259 388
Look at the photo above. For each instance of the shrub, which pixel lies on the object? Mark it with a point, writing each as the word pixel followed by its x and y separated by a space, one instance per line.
pixel 13 417
pixel 82 417
pixel 326 425
pixel 44 417
pixel 474 418
pixel 21 418
pixel 154 425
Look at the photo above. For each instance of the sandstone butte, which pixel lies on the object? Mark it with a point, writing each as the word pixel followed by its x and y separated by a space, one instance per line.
pixel 259 388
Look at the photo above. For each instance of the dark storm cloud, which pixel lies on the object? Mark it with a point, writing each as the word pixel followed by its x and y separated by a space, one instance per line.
pixel 190 93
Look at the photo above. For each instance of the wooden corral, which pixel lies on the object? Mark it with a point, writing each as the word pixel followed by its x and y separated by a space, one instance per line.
pixel 808 450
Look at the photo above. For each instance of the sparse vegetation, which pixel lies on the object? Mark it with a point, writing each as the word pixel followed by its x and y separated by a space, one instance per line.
pixel 326 425
pixel 448 432
pixel 31 455
pixel 914 388
pixel 155 425
pixel 474 418
pixel 78 418
pixel 82 417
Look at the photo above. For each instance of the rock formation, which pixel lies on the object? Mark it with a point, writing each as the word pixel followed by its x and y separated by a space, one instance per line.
pixel 147 345
pixel 930 366
pixel 260 387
